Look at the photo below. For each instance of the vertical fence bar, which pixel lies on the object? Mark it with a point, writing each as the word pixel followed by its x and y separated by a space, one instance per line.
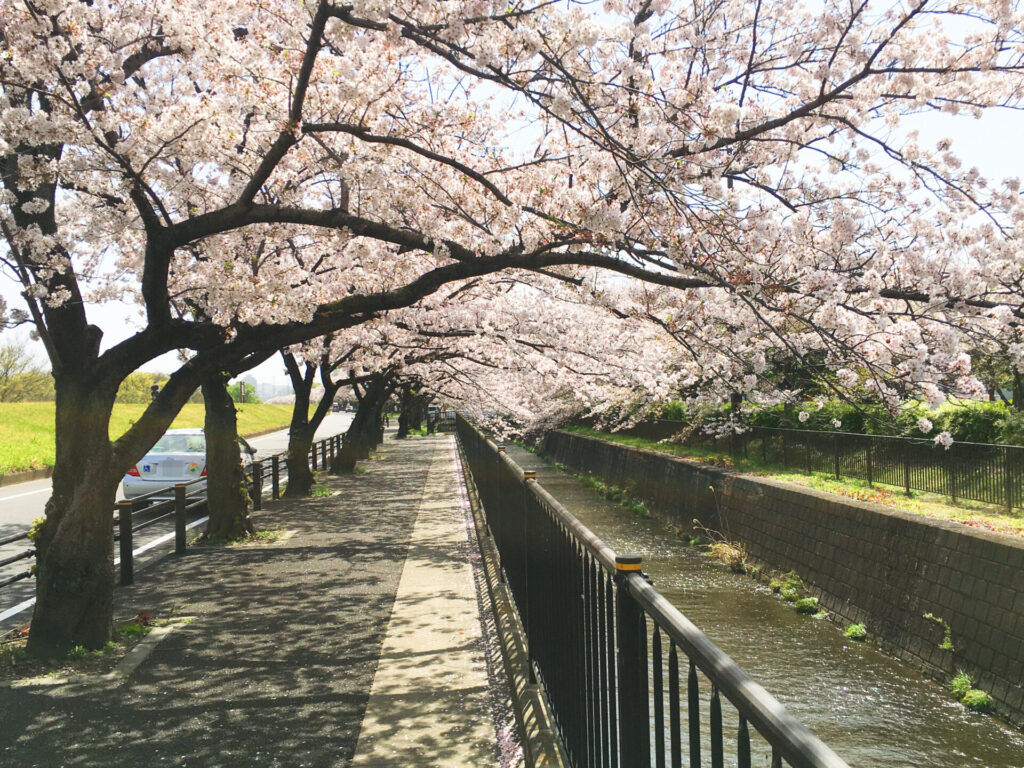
pixel 631 636
pixel 693 715
pixel 1007 479
pixel 673 702
pixel 659 701
pixel 743 745
pixel 179 519
pixel 835 455
pixel 313 457
pixel 525 610
pixel 257 486
pixel 906 466
pixel 717 753
pixel 868 461
pixel 124 527
pixel 275 477
pixel 323 453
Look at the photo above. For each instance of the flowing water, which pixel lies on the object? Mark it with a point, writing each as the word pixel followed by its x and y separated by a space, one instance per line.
pixel 872 710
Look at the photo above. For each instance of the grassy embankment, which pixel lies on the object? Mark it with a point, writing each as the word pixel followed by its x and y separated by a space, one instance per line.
pixel 27 430
pixel 974 513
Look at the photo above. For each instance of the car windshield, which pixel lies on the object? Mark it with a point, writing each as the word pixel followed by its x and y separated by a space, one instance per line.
pixel 180 444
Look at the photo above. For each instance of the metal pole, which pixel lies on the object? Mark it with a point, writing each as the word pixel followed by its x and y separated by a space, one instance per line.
pixel 257 485
pixel 124 527
pixel 906 466
pixel 631 639
pixel 275 477
pixel 179 518
pixel 527 477
pixel 1007 478
pixel 869 461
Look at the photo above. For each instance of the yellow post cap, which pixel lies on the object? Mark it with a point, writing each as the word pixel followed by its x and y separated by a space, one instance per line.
pixel 628 562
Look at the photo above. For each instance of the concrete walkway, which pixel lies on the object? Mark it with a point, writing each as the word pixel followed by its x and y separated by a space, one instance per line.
pixel 356 639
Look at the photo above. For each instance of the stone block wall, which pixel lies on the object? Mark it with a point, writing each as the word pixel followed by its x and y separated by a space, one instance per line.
pixel 865 562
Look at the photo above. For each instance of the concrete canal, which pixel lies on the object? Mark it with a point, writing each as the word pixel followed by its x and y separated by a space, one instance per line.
pixel 874 711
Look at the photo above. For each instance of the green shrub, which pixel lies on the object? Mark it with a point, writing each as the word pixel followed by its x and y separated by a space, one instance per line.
pixel 806 605
pixel 974 423
pixel 1011 428
pixel 857 632
pixel 977 701
pixel 960 684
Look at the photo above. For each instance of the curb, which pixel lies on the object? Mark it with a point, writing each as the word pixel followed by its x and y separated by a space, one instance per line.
pixel 25 476
pixel 121 672
pixel 540 740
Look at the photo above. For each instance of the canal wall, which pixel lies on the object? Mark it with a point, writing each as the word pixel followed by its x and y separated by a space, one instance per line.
pixel 865 562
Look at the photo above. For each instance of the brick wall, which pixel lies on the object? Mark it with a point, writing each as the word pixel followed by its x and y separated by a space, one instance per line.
pixel 865 562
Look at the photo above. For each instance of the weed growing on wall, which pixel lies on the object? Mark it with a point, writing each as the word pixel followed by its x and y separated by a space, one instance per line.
pixel 856 632
pixel 947 632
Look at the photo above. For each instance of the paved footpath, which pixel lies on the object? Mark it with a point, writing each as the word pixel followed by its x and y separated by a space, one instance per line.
pixel 356 639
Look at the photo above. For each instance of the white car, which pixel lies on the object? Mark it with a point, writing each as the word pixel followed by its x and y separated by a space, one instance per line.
pixel 178 457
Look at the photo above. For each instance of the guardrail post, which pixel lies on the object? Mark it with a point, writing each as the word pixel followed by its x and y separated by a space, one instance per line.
pixel 257 485
pixel 330 445
pixel 124 527
pixel 314 457
pixel 631 639
pixel 179 519
pixel 275 477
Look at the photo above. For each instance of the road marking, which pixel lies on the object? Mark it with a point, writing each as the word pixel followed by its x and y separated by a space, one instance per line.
pixel 27 493
pixel 17 609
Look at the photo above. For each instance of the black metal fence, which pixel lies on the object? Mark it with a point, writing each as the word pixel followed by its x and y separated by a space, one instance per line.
pixel 632 683
pixel 977 471
pixel 184 504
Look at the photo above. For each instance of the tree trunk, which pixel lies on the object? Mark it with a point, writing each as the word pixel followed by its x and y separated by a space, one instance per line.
pixel 1018 390
pixel 75 578
pixel 227 497
pixel 300 476
pixel 364 433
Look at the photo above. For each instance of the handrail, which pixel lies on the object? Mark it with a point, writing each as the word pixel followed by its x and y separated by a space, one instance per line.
pixel 794 740
pixel 788 737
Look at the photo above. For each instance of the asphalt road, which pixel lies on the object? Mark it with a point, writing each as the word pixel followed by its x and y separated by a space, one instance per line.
pixel 23 502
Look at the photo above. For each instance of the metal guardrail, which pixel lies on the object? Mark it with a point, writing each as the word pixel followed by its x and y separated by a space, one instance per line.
pixel 322 453
pixel 985 472
pixel 609 650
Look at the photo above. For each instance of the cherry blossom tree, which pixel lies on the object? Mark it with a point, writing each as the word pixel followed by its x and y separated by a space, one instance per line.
pixel 260 175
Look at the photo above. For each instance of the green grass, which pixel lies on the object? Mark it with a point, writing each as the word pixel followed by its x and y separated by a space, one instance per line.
pixel 973 513
pixel 27 429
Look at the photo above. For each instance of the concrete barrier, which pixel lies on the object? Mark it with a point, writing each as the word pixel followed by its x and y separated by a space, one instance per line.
pixel 865 562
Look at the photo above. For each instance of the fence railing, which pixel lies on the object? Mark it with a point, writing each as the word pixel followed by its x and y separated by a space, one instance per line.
pixel 623 669
pixel 977 471
pixel 184 504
